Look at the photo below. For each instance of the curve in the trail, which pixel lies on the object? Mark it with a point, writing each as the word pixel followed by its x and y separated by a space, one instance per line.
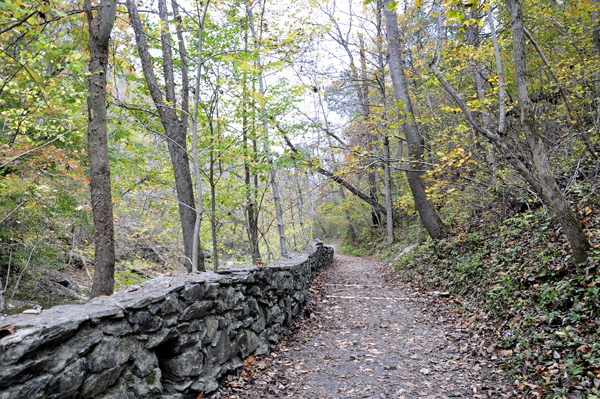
pixel 365 339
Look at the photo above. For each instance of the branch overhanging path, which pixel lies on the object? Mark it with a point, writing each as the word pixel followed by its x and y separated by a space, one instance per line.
pixel 312 165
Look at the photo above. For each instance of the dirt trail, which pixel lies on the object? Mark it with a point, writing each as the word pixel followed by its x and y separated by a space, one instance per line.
pixel 364 339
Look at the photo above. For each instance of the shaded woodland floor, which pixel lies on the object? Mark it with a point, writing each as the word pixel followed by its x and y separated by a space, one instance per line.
pixel 365 336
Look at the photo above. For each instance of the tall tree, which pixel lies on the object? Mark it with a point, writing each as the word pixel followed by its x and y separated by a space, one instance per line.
pixel 265 122
pixel 100 27
pixel 175 126
pixel 548 188
pixel 429 216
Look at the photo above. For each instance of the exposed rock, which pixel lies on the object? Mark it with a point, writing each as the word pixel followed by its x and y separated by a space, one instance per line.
pixel 95 384
pixel 68 382
pixel 31 389
pixel 172 337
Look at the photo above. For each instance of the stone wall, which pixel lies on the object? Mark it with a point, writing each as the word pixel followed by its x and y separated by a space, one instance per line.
pixel 171 338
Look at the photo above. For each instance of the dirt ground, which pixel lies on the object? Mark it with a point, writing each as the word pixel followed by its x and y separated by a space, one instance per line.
pixel 364 336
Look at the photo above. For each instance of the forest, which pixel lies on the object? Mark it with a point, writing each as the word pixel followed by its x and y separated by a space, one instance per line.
pixel 152 137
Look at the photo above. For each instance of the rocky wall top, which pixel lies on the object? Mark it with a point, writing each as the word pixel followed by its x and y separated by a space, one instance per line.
pixel 172 337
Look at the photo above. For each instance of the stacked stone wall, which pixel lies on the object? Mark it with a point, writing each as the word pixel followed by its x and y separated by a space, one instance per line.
pixel 174 337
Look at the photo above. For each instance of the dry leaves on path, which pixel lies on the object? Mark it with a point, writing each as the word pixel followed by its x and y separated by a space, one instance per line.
pixel 364 337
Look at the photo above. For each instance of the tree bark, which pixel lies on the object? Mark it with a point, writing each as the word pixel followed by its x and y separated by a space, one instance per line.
pixel 195 157
pixel 175 130
pixel 213 210
pixel 100 28
pixel 251 206
pixel 351 230
pixel 429 216
pixel 596 41
pixel 1 298
pixel 549 189
pixel 363 95
pixel 301 209
pixel 265 122
pixel 388 190
pixel 387 181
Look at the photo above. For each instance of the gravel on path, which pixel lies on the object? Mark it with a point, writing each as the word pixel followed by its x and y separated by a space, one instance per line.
pixel 362 337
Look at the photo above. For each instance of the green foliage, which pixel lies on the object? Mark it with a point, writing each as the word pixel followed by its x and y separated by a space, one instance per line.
pixel 125 278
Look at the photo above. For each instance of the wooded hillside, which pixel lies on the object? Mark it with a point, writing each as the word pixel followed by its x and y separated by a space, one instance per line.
pixel 215 133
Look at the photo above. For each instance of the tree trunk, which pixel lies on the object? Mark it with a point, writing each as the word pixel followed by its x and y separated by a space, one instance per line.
pixel 363 95
pixel 1 298
pixel 429 216
pixel 387 180
pixel 213 208
pixel 278 213
pixel 196 250
pixel 375 215
pixel 265 122
pixel 100 28
pixel 388 190
pixel 348 218
pixel 251 210
pixel 175 129
pixel 596 41
pixel 549 189
pixel 301 210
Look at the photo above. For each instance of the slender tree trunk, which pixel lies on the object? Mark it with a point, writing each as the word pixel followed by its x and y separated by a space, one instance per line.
pixel 351 230
pixel 387 180
pixel 251 193
pixel 278 213
pixel 213 211
pixel 388 190
pixel 255 207
pixel 473 40
pixel 265 121
pixel 292 223
pixel 100 28
pixel 429 216
pixel 549 189
pixel 197 254
pixel 301 210
pixel 312 211
pixel 363 95
pixel 251 211
pixel 596 41
pixel 175 129
pixel 1 298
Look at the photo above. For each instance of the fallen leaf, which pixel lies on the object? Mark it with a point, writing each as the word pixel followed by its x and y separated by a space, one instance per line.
pixel 6 330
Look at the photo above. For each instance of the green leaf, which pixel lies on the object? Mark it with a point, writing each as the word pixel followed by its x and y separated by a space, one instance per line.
pixel 391 5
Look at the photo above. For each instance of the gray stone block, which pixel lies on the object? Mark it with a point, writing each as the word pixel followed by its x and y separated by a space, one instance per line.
pixel 67 383
pixel 172 338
